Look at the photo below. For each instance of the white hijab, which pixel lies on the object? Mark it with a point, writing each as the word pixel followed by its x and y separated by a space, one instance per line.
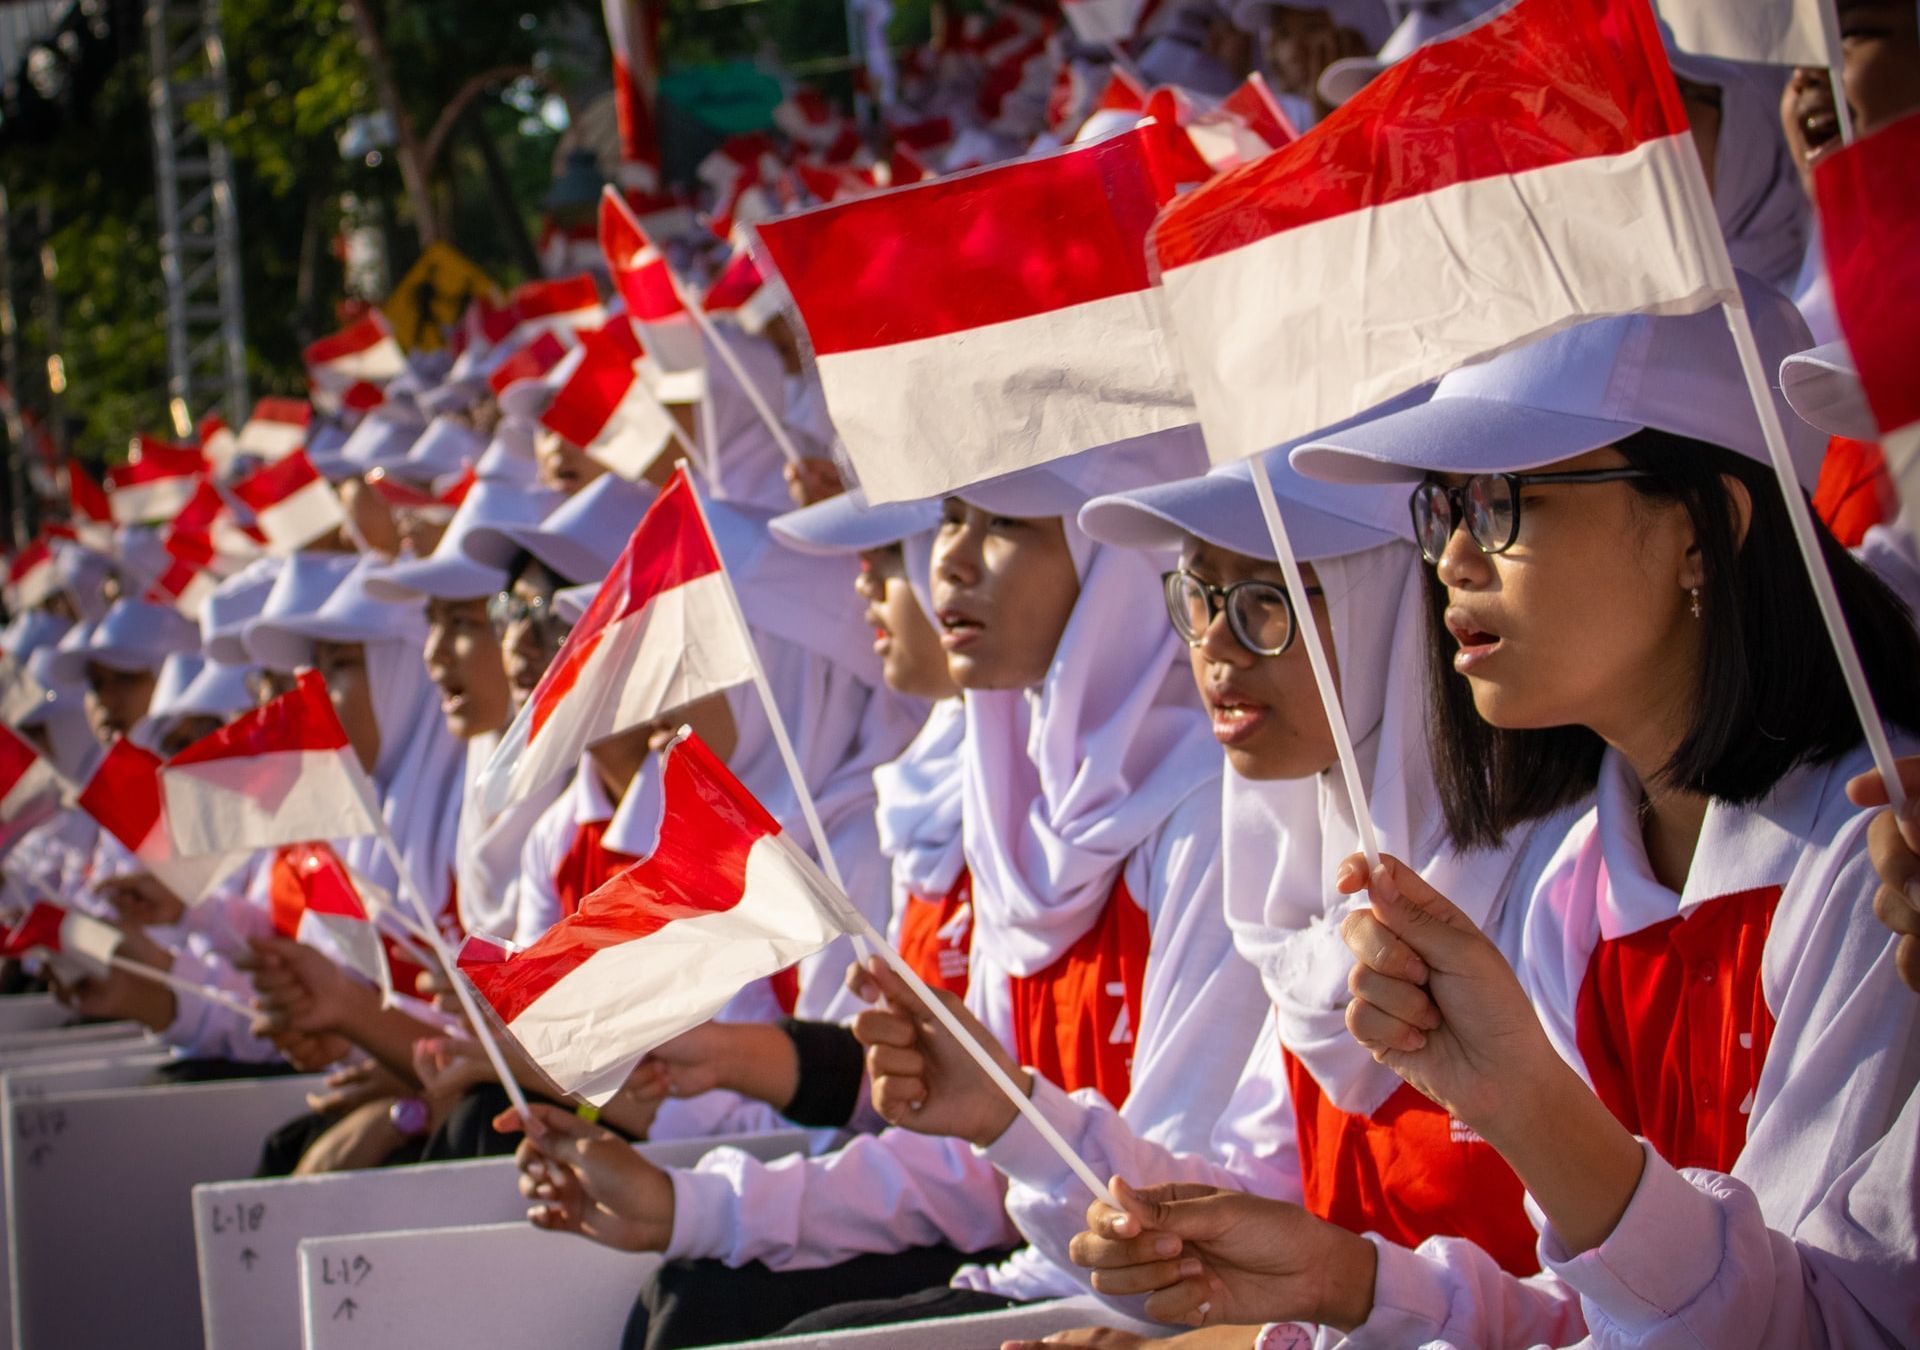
pixel 1284 913
pixel 489 846
pixel 1061 784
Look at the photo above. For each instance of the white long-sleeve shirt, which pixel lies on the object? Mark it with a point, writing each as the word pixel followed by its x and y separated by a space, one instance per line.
pixel 1796 1244
pixel 893 1190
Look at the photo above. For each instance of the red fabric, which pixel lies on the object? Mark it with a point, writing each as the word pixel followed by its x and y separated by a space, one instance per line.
pixel 123 796
pixel 1408 1172
pixel 936 936
pixel 587 866
pixel 300 719
pixel 277 482
pixel 1855 491
pixel 1546 82
pixel 1674 1027
pixel 1074 1021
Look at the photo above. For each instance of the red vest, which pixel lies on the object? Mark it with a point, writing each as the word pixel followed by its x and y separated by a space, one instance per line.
pixel 587 866
pixel 1674 1027
pixel 937 935
pixel 1408 1172
pixel 1074 1021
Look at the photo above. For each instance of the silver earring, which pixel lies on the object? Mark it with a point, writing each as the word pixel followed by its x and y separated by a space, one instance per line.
pixel 1694 591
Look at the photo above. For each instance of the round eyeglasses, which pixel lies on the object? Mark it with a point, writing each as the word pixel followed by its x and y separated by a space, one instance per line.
pixel 506 609
pixel 1259 613
pixel 1488 504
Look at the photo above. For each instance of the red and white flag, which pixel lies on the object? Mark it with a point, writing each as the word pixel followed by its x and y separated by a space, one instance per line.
pixel 78 945
pixel 1771 32
pixel 1869 200
pixel 155 483
pixel 92 512
pixel 1529 174
pixel 989 321
pixel 644 280
pixel 276 429
pixel 663 631
pixel 725 898
pixel 292 503
pixel 27 782
pixel 350 368
pixel 123 796
pixel 742 291
pixel 317 899
pixel 633 36
pixel 281 774
pixel 561 307
pixel 31 576
pixel 217 441
pixel 530 362
pixel 185 585
pixel 207 533
pixel 1242 127
pixel 606 409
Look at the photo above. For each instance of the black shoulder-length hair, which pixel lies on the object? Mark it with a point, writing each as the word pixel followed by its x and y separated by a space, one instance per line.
pixel 1769 695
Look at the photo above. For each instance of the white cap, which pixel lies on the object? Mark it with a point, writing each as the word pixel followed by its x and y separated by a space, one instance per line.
pixel 235 602
pixel 447 446
pixel 1062 487
pixel 382 439
pixel 1823 387
pixel 846 524
pixel 1426 21
pixel 192 686
pixel 571 604
pixel 470 561
pixel 582 536
pixel 303 585
pixel 509 455
pixel 133 635
pixel 30 630
pixel 1581 389
pixel 349 614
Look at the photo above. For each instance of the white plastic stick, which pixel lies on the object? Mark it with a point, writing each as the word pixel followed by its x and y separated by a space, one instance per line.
pixel 1317 658
pixel 981 1056
pixel 779 725
pixel 732 361
pixel 482 1029
pixel 1836 67
pixel 1809 541
pixel 175 983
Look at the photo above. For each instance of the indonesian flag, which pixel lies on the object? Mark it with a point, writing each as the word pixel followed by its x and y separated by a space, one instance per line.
pixel 350 368
pixel 531 362
pixel 276 429
pixel 1531 173
pixel 207 533
pixel 92 512
pixel 663 631
pixel 1772 32
pixel 26 780
pixel 1241 127
pixel 155 482
pixel 185 585
pixel 1869 202
pixel 742 291
pixel 315 898
pixel 123 796
pixel 558 307
pixel 645 282
pixel 989 321
pixel 1101 22
pixel 292 504
pixel 606 409
pixel 425 504
pixel 281 774
pixel 79 945
pixel 633 32
pixel 31 576
pixel 724 899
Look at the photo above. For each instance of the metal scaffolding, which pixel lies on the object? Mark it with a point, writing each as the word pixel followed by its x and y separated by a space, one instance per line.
pixel 199 227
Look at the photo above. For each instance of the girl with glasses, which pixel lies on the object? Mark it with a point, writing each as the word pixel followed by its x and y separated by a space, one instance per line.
pixel 1698 1064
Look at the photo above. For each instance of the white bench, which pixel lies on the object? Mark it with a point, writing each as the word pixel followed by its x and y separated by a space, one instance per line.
pixel 248 1233
pixel 508 1285
pixel 98 1222
pixel 32 1012
pixel 78 1034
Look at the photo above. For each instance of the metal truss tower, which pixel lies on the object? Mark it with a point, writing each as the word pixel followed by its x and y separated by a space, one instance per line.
pixel 199 226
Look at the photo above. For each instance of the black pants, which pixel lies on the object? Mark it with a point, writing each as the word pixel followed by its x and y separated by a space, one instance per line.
pixel 691 1303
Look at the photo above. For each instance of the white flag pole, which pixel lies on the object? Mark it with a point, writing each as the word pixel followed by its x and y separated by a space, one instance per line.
pixel 779 725
pixel 1317 658
pixel 482 1030
pixel 1808 540
pixel 180 986
pixel 1836 67
pixel 732 362
pixel 980 1055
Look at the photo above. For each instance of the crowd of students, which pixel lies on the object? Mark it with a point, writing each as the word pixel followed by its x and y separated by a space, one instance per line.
pixel 1613 1047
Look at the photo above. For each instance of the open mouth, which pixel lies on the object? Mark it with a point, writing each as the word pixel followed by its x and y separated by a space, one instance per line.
pixel 958 630
pixel 1476 643
pixel 1819 122
pixel 1234 717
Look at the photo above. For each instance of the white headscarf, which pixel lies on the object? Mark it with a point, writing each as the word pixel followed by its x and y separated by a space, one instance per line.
pixel 918 808
pixel 1284 913
pixel 751 466
pixel 1757 196
pixel 1062 783
pixel 488 855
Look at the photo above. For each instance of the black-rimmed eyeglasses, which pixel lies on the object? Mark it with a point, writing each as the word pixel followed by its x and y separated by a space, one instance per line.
pixel 1259 613
pixel 1488 504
